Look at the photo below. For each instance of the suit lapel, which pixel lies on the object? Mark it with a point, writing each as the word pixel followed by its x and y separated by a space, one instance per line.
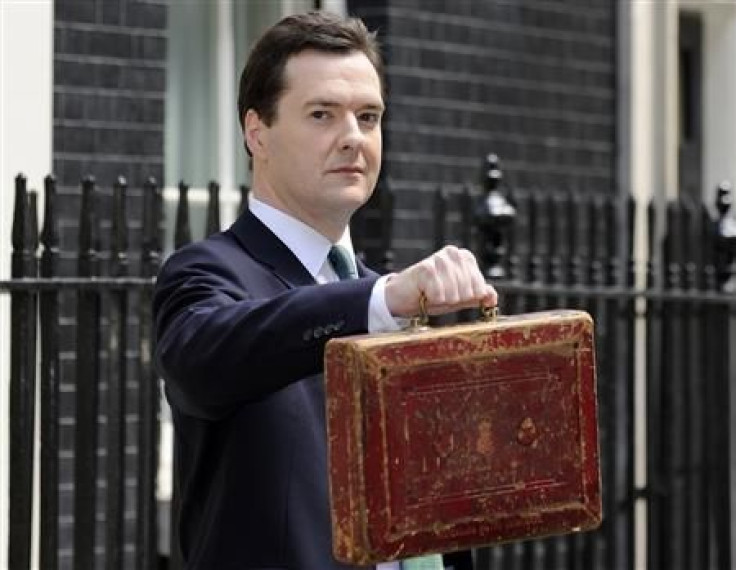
pixel 263 245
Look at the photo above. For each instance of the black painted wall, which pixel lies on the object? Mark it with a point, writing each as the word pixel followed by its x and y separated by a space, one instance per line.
pixel 109 92
pixel 108 120
pixel 533 81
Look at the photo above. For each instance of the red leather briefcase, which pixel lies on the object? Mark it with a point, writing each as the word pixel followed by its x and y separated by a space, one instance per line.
pixel 467 435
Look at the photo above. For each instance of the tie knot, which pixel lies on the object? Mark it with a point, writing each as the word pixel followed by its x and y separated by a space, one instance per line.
pixel 341 263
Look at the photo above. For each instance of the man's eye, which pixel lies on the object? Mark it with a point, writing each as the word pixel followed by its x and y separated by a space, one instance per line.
pixel 319 114
pixel 370 118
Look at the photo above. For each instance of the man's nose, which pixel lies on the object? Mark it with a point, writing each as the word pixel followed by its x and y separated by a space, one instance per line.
pixel 352 135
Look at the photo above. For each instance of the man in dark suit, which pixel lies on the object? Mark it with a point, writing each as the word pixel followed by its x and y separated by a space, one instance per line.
pixel 242 317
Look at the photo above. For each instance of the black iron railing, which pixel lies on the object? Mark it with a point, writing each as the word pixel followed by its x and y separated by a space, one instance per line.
pixel 83 343
pixel 116 363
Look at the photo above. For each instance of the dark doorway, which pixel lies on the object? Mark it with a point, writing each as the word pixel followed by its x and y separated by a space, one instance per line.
pixel 690 162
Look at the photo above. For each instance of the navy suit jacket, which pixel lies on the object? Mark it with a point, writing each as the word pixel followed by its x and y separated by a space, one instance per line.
pixel 240 329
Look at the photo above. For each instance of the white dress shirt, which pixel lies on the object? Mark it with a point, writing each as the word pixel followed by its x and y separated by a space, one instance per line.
pixel 311 248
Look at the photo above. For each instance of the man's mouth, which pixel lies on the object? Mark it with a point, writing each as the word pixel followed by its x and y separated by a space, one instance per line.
pixel 346 170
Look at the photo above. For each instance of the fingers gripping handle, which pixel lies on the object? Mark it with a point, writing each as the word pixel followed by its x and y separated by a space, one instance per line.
pixel 487 314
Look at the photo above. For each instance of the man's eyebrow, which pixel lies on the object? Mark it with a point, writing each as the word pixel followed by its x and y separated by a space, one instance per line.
pixel 375 107
pixel 320 102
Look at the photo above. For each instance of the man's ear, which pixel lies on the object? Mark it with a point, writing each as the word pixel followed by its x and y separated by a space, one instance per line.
pixel 254 131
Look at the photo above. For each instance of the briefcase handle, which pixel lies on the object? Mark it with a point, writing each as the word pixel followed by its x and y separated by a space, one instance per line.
pixel 487 314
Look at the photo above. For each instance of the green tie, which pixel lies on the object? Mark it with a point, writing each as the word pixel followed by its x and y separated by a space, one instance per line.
pixel 341 263
pixel 431 562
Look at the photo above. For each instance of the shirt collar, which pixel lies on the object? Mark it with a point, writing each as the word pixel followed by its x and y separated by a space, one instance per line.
pixel 308 245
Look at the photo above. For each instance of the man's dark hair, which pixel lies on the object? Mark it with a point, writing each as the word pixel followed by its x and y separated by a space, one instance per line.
pixel 262 80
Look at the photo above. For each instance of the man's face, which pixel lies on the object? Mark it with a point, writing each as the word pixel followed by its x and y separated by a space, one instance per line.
pixel 320 158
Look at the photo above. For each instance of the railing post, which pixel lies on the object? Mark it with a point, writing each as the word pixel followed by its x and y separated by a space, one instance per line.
pixel 50 378
pixel 619 531
pixel 88 377
pixel 116 385
pixel 677 405
pixel 152 239
pixel 593 546
pixel 710 432
pixel 148 391
pixel 22 379
pixel 696 407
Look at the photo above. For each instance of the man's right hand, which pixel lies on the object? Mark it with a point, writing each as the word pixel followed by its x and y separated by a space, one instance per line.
pixel 450 279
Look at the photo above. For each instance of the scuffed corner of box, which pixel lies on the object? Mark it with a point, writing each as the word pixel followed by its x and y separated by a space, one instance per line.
pixel 344 432
pixel 596 499
pixel 341 542
pixel 591 451
pixel 339 444
pixel 595 514
pixel 587 317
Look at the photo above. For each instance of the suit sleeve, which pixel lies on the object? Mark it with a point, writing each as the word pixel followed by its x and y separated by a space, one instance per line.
pixel 224 337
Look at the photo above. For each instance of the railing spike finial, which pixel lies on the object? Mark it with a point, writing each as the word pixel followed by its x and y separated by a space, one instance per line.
pixel 151 243
pixel 24 235
pixel 182 231
pixel 19 233
pixel 88 250
pixel 32 224
pixel 50 231
pixel 213 208
pixel 119 227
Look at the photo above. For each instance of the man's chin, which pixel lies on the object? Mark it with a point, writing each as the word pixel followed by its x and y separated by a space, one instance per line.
pixel 355 196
